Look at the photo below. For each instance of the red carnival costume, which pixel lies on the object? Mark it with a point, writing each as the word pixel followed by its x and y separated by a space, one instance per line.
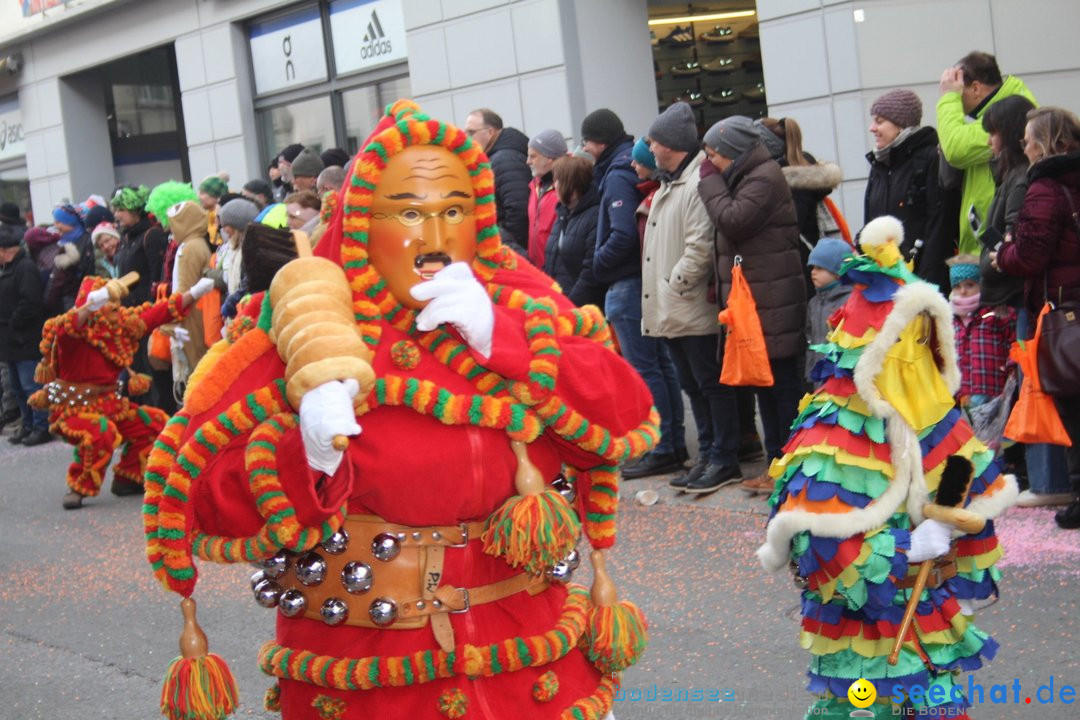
pixel 418 580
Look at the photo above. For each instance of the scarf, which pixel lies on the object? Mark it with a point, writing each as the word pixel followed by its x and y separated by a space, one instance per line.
pixel 882 154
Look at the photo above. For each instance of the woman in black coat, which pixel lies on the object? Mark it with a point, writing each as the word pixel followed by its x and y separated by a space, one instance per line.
pixel 904 183
pixel 572 242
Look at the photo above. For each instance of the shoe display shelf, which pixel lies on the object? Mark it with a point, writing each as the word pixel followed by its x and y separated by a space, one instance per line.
pixel 718 72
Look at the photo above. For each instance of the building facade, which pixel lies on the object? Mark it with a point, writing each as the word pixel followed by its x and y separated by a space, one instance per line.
pixel 94 93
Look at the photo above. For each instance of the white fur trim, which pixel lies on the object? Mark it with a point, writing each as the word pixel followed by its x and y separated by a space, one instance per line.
pixel 882 230
pixel 67 257
pixel 908 483
pixel 991 506
pixel 823 176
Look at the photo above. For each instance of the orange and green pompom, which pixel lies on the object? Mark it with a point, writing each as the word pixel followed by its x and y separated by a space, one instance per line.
pixel 329 708
pixel 138 383
pixel 272 698
pixel 200 688
pixel 405 354
pixel 532 531
pixel 546 686
pixel 616 636
pixel 453 703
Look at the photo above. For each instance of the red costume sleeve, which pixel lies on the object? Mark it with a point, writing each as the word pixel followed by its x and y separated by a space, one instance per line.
pixel 162 312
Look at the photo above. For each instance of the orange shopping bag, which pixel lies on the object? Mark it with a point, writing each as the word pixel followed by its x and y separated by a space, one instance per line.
pixel 1034 418
pixel 746 361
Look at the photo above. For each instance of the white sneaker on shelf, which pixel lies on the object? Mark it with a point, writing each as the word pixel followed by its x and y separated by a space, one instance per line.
pixel 1030 499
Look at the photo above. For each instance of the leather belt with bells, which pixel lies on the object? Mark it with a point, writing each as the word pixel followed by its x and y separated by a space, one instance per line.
pixel 377 574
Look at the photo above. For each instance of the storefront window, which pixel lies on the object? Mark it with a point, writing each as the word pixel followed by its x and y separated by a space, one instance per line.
pixel 364 106
pixel 308 122
pixel 15 188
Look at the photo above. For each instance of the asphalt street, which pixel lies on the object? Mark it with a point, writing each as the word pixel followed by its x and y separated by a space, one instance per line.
pixel 87 632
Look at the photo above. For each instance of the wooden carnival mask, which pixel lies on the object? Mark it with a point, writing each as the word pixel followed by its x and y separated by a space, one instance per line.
pixel 422 218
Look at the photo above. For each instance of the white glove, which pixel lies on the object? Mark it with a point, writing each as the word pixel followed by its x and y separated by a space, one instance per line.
pixel 967 607
pixel 327 411
pixel 182 336
pixel 930 540
pixel 200 288
pixel 96 299
pixel 457 298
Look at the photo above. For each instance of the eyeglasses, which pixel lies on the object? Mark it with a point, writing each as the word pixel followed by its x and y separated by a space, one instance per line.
pixel 412 217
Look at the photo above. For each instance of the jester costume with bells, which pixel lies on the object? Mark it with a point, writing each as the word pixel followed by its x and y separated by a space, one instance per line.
pixel 83 353
pixel 866 455
pixel 418 568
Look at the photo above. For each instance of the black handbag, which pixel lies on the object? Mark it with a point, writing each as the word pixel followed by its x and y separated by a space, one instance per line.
pixel 1058 353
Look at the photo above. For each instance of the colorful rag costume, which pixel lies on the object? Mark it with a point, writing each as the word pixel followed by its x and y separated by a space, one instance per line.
pixel 866 453
pixel 80 370
pixel 413 582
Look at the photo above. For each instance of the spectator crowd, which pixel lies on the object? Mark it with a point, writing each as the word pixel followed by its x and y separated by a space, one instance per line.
pixel 648 229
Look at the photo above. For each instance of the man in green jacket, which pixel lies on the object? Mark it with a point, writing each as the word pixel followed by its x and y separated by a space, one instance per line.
pixel 967 89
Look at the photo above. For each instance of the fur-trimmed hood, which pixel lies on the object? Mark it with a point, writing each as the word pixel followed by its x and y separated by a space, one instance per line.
pixel 67 257
pixel 822 176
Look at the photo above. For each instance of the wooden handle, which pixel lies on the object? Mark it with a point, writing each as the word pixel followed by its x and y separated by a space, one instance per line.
pixel 968 522
pixel 340 443
pixel 130 279
pixel 603 592
pixel 192 638
pixel 909 611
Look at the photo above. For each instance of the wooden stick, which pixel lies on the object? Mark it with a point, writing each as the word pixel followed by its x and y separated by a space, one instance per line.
pixel 909 611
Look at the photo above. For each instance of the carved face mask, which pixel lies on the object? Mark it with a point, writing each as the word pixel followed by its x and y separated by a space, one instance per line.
pixel 422 218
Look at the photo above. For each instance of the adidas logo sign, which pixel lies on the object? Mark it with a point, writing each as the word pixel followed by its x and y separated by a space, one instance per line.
pixel 375 42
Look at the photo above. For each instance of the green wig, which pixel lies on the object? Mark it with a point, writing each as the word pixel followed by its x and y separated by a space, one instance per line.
pixel 130 198
pixel 167 194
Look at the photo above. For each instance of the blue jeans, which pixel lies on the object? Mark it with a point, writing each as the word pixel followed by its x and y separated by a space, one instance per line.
pixel 715 409
pixel 1047 471
pixel 21 376
pixel 650 357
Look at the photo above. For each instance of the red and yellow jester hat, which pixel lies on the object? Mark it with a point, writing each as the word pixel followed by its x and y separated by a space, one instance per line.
pixel 89 284
pixel 346 239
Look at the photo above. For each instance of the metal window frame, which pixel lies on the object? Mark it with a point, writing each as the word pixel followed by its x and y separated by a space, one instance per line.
pixel 334 86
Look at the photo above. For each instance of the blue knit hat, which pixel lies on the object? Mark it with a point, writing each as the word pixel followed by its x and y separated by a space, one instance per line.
pixel 67 214
pixel 961 268
pixel 829 254
pixel 643 155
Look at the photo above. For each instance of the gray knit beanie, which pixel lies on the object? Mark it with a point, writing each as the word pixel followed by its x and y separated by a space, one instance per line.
pixel 676 128
pixel 732 136
pixel 307 164
pixel 549 143
pixel 900 107
pixel 238 213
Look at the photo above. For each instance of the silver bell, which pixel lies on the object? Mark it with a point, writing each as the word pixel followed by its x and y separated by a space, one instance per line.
pixel 383 611
pixel 573 560
pixel 565 487
pixel 292 603
pixel 336 543
pixel 560 573
pixel 357 577
pixel 385 547
pixel 334 611
pixel 275 567
pixel 258 578
pixel 311 568
pixel 267 593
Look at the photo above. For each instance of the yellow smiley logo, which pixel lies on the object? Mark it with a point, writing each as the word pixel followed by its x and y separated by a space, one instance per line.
pixel 862 693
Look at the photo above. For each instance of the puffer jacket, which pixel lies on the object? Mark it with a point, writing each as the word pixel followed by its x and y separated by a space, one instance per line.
pixel 754 216
pixel 810 184
pixel 907 186
pixel 964 146
pixel 512 176
pixel 74 260
pixel 618 244
pixel 677 260
pixel 1046 242
pixel 570 248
